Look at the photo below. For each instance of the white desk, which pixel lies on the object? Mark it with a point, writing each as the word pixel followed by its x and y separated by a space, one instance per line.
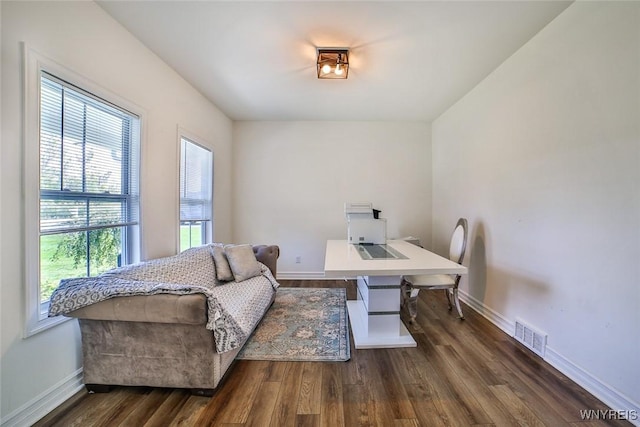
pixel 375 315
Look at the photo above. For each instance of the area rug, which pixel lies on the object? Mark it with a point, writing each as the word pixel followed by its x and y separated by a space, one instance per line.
pixel 303 324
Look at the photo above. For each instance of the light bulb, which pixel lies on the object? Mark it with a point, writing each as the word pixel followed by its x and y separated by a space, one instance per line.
pixel 338 70
pixel 326 68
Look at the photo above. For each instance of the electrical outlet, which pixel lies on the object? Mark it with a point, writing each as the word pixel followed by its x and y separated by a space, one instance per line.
pixel 298 259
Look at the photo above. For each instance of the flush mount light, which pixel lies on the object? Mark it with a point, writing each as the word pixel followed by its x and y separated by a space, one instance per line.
pixel 333 63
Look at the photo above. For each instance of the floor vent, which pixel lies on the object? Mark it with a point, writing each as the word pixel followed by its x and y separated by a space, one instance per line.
pixel 534 340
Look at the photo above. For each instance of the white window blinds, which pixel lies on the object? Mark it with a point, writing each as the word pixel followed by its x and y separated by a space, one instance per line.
pixel 196 180
pixel 88 161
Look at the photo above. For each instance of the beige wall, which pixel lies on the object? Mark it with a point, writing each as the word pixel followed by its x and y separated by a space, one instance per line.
pixel 82 37
pixel 291 180
pixel 543 158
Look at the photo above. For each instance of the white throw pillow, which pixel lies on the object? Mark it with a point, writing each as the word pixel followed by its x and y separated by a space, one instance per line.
pixel 243 262
pixel 223 270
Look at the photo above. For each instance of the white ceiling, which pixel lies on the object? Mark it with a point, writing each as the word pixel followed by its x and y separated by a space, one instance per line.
pixel 409 60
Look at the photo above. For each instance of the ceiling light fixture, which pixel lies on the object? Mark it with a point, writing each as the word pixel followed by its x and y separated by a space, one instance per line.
pixel 333 63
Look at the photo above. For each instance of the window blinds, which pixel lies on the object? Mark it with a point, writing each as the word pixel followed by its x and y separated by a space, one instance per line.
pixel 88 161
pixel 196 179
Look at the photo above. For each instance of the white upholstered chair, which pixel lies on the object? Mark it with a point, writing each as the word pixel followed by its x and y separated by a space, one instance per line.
pixel 411 285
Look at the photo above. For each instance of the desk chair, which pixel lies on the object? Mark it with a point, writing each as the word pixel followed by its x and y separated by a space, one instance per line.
pixel 411 285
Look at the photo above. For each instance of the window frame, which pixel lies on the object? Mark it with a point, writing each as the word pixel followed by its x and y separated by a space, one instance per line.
pixel 207 226
pixel 34 64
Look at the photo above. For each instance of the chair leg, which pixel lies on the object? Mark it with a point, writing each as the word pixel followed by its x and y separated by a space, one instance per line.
pixel 405 291
pixel 447 292
pixel 457 301
pixel 409 301
pixel 412 308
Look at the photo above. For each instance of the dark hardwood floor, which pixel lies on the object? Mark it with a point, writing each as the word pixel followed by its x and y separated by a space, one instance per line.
pixel 462 373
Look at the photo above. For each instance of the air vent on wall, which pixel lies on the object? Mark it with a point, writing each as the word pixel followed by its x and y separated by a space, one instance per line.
pixel 534 340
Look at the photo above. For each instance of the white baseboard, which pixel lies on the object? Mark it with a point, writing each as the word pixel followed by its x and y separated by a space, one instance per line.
pixel 601 390
pixel 607 394
pixel 41 405
pixel 491 315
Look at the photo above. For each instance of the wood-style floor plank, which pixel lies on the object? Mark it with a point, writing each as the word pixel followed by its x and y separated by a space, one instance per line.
pixel 495 412
pixel 265 403
pixel 332 395
pixel 427 414
pixel 287 402
pixel 394 390
pixel 310 389
pixel 190 412
pixel 462 373
pixel 150 404
pixel 169 409
pixel 516 407
pixel 356 405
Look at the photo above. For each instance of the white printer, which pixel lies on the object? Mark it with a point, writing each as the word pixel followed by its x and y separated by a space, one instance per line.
pixel 363 224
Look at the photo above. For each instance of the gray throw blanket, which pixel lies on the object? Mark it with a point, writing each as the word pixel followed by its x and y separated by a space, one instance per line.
pixel 234 309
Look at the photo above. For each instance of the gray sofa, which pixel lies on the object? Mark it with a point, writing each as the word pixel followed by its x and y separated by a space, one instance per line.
pixel 162 340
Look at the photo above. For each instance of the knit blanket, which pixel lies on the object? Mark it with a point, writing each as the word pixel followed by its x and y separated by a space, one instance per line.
pixel 234 309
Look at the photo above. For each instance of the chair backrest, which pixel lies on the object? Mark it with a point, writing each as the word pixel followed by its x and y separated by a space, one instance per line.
pixel 458 244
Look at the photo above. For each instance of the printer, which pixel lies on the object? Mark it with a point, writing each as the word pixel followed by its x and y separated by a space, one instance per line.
pixel 363 224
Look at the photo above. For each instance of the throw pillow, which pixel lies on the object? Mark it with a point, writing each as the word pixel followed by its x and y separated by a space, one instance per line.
pixel 223 270
pixel 243 262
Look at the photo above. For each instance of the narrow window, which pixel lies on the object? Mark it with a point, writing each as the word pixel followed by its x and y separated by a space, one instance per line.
pixel 196 201
pixel 88 185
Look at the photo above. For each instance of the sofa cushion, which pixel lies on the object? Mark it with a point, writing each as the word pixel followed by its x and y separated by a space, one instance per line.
pixel 242 261
pixel 223 270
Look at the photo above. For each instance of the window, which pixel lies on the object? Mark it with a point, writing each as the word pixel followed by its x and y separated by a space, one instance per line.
pixel 88 187
pixel 196 181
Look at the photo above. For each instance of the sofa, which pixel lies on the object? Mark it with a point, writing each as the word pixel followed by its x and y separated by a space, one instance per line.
pixel 172 322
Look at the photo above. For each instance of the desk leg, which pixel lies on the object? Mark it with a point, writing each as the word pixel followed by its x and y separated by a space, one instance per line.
pixel 375 315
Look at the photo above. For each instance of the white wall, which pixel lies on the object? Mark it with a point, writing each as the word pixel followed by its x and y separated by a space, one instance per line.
pixel 291 180
pixel 543 158
pixel 82 37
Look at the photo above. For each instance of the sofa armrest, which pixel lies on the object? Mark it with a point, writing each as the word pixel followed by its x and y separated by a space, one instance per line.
pixel 160 308
pixel 268 255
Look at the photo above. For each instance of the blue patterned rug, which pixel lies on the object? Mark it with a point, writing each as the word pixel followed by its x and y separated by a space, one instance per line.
pixel 303 324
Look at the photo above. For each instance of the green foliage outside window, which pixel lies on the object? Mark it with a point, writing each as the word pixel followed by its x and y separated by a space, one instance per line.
pixel 104 246
pixel 64 256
